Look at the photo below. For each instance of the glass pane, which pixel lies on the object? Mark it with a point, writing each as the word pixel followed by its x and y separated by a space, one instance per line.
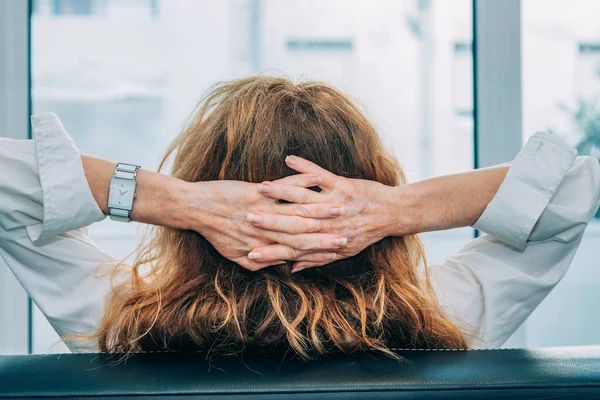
pixel 125 76
pixel 561 94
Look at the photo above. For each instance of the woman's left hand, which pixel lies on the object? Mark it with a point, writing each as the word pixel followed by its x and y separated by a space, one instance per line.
pixel 220 211
pixel 368 213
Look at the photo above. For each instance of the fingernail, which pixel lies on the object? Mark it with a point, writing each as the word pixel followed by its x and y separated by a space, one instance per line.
pixel 253 218
pixel 290 160
pixel 316 180
pixel 333 256
pixel 340 242
pixel 253 255
pixel 296 270
pixel 263 188
pixel 337 211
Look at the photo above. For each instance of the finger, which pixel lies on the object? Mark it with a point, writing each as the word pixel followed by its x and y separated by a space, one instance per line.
pixel 318 257
pixel 292 194
pixel 306 167
pixel 257 265
pixel 280 218
pixel 315 210
pixel 307 241
pixel 281 252
pixel 301 180
pixel 285 223
pixel 299 266
pixel 273 252
pixel 294 224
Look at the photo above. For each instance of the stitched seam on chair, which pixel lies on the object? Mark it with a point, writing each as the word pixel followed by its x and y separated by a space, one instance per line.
pixel 204 352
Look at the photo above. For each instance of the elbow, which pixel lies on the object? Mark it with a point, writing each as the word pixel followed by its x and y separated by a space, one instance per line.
pixel 572 206
pixel 591 172
pixel 580 196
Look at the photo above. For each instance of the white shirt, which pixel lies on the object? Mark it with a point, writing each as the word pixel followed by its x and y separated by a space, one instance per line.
pixel 534 225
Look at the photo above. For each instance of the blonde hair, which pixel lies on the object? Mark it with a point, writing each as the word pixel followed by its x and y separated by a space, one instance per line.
pixel 193 299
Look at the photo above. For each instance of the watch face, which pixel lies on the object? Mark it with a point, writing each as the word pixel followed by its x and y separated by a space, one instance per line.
pixel 121 193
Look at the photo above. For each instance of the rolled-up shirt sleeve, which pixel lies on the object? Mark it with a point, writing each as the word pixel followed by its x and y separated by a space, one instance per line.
pixel 43 186
pixel 45 205
pixel 68 201
pixel 530 183
pixel 534 226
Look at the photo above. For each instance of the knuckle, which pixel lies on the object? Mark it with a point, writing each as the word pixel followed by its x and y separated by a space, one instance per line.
pixel 250 267
pixel 352 252
pixel 303 197
pixel 298 225
pixel 301 210
pixel 328 257
pixel 317 258
pixel 273 222
pixel 324 242
pixel 256 267
pixel 313 226
pixel 279 224
pixel 300 244
pixel 290 254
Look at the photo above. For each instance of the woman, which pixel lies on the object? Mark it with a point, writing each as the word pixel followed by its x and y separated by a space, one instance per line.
pixel 195 284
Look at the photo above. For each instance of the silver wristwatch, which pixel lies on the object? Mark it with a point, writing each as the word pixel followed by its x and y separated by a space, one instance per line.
pixel 122 192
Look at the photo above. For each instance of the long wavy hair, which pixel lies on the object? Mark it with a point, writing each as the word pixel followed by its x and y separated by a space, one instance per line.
pixel 181 294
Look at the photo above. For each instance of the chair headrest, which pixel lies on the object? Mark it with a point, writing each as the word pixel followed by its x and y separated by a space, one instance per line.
pixel 420 374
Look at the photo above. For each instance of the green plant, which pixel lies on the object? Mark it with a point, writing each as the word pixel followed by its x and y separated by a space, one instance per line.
pixel 585 117
pixel 586 120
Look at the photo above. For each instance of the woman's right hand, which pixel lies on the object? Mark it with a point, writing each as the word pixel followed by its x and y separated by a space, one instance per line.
pixel 219 211
pixel 369 211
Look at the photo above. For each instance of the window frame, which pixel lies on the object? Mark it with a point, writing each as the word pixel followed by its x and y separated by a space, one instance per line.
pixel 497 113
pixel 15 110
pixel 497 81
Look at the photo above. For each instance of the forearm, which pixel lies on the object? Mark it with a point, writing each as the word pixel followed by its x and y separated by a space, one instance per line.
pixel 160 199
pixel 445 202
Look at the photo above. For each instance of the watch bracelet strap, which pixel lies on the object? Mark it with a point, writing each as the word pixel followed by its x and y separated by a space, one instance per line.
pixel 123 171
pixel 119 214
pixel 126 171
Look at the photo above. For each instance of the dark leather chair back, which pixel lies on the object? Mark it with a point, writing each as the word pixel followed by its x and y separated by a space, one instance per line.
pixel 473 374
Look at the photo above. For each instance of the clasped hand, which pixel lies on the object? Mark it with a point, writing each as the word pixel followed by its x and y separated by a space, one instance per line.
pixel 248 224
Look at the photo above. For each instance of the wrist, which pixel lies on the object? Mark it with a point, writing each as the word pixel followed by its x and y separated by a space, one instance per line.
pixel 160 200
pixel 180 212
pixel 191 205
pixel 404 210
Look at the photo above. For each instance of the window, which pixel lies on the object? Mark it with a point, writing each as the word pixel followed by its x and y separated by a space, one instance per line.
pixel 124 87
pixel 131 71
pixel 94 8
pixel 462 84
pixel 587 73
pixel 72 7
pixel 561 94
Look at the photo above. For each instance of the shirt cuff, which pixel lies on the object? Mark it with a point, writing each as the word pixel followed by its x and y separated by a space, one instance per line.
pixel 67 198
pixel 527 189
